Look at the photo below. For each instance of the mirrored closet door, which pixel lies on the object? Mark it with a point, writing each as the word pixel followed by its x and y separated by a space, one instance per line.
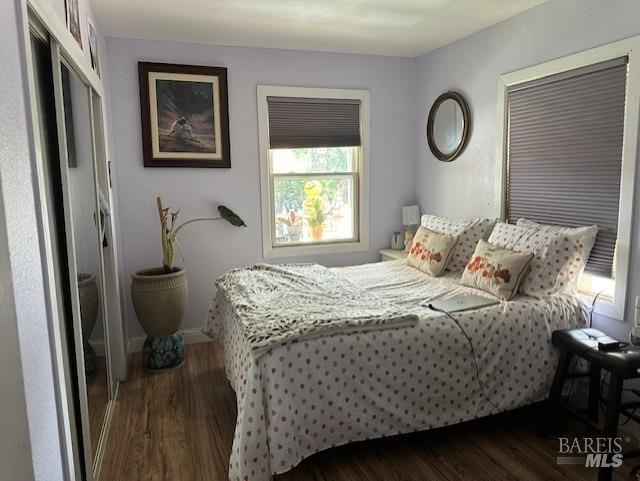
pixel 76 199
pixel 85 217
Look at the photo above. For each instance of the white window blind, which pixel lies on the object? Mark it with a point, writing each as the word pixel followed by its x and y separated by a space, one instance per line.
pixel 564 166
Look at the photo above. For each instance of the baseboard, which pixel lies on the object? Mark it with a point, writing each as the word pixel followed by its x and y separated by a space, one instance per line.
pixel 193 335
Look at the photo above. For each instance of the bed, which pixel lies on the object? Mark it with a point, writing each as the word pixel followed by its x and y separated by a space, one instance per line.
pixel 303 397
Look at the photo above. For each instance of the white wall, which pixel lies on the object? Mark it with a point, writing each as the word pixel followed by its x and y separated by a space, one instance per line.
pixel 472 66
pixel 15 448
pixel 213 248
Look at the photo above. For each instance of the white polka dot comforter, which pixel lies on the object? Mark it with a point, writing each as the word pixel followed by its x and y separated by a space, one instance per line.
pixel 307 396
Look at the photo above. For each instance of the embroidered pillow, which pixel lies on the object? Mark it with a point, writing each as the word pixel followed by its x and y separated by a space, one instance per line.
pixel 496 270
pixel 560 253
pixel 568 259
pixel 431 251
pixel 469 232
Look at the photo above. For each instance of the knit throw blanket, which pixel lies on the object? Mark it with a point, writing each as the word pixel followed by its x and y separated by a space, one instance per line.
pixel 278 304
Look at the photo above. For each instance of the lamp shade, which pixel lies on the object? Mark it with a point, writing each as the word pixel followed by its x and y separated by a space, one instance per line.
pixel 411 215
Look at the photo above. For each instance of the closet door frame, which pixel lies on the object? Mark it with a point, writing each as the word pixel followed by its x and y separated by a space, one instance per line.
pixel 58 63
pixel 40 16
pixel 62 371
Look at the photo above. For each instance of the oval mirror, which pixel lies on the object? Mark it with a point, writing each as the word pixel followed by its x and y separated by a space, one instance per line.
pixel 448 126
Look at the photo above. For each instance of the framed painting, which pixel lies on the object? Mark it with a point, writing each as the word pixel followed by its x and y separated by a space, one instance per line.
pixel 73 19
pixel 185 115
pixel 93 46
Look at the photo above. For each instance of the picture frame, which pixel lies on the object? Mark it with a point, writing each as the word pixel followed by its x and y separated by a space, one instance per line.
pixel 185 115
pixel 93 46
pixel 72 12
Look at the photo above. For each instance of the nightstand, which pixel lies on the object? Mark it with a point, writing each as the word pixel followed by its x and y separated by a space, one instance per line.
pixel 392 254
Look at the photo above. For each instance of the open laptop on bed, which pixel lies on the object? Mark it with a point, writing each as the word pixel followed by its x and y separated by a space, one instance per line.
pixel 462 302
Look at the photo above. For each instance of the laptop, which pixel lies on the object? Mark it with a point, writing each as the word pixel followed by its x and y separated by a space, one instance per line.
pixel 462 302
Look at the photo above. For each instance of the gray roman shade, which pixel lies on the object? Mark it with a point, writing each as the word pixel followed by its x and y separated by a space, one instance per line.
pixel 565 152
pixel 296 122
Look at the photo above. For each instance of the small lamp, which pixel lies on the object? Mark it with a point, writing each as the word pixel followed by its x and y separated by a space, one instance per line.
pixel 410 218
pixel 411 215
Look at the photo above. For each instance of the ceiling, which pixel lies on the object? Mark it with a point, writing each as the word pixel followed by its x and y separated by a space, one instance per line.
pixel 406 28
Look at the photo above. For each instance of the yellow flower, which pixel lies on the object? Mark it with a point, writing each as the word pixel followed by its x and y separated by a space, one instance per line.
pixel 313 188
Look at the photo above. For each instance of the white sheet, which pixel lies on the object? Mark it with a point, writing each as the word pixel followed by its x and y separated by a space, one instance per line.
pixel 305 397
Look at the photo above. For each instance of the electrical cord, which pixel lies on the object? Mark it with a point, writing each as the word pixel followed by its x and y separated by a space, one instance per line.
pixel 473 354
pixel 593 306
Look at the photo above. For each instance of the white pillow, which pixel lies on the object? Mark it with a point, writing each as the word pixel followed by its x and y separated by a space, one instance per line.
pixel 468 231
pixel 560 253
pixel 580 240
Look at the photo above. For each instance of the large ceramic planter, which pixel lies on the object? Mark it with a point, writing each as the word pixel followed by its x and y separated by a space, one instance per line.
pixel 88 297
pixel 159 300
pixel 88 293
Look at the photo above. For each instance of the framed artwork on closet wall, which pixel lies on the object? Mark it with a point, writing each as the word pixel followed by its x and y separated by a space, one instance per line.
pixel 73 19
pixel 185 115
pixel 93 46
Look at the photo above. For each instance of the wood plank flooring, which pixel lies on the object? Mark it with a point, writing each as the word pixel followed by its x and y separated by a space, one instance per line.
pixel 97 399
pixel 178 426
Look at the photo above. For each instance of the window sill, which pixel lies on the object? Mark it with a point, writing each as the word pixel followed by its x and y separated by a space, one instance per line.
pixel 317 249
pixel 605 306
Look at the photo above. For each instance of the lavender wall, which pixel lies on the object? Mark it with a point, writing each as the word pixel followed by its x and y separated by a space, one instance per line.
pixel 213 248
pixel 472 66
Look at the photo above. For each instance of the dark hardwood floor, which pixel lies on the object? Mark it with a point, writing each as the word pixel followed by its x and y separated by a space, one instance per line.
pixel 178 426
pixel 97 399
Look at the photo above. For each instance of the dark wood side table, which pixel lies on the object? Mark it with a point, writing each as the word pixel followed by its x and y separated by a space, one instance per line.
pixel 621 364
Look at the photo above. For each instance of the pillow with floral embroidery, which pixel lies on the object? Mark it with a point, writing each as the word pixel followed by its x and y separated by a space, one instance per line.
pixel 560 253
pixel 431 251
pixel 496 270
pixel 469 232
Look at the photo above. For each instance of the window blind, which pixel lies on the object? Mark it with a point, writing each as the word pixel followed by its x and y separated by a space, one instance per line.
pixel 564 165
pixel 296 122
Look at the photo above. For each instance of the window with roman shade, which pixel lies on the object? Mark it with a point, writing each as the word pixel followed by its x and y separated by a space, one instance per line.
pixel 313 166
pixel 564 153
pixel 298 123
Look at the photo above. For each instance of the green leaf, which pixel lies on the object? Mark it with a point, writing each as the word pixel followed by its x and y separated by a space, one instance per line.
pixel 230 216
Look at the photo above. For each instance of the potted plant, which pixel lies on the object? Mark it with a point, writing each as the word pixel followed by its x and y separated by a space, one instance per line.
pixel 293 227
pixel 316 219
pixel 159 294
pixel 314 209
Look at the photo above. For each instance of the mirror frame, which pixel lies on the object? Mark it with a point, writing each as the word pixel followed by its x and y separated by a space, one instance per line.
pixel 466 129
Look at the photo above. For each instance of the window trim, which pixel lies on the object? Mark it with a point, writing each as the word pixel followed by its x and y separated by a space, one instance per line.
pixel 631 48
pixel 266 195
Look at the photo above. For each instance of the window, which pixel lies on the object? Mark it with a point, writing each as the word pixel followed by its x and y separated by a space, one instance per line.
pixel 567 155
pixel 313 148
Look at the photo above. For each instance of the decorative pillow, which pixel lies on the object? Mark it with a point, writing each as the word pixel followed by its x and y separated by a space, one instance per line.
pixel 469 232
pixel 496 270
pixel 572 257
pixel 431 251
pixel 560 253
